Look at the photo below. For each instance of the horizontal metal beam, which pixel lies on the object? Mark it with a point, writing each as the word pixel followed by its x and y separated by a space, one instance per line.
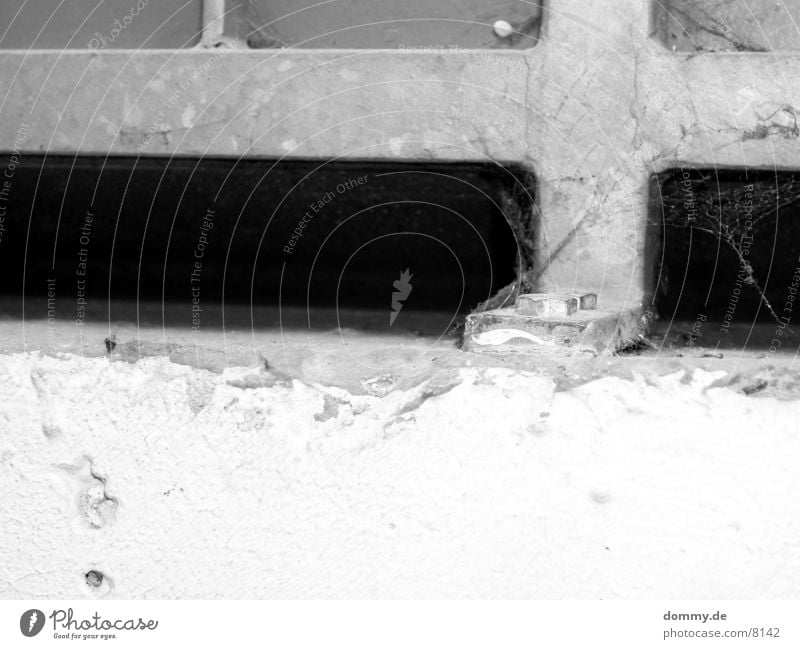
pixel 267 103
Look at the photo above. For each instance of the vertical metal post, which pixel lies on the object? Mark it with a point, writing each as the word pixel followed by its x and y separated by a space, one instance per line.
pixel 213 22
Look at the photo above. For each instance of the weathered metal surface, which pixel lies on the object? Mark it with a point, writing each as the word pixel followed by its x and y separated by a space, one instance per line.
pixel 593 110
pixel 594 331
pixel 547 304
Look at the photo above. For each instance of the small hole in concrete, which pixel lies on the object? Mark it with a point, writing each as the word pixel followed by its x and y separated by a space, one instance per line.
pixel 94 578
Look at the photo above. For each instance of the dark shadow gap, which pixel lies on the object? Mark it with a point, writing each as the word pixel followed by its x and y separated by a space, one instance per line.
pixel 214 233
pixel 728 263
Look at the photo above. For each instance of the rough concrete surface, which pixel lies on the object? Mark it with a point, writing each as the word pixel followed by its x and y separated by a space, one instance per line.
pixel 478 482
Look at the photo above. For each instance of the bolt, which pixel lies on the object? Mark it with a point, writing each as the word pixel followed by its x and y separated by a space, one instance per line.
pixel 546 304
pixel 502 29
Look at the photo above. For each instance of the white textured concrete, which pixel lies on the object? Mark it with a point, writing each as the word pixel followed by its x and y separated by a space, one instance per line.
pixel 480 482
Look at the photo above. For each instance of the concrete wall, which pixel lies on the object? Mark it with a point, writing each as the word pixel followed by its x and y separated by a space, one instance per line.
pixel 176 483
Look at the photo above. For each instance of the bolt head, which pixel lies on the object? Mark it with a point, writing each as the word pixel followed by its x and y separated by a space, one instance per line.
pixel 502 29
